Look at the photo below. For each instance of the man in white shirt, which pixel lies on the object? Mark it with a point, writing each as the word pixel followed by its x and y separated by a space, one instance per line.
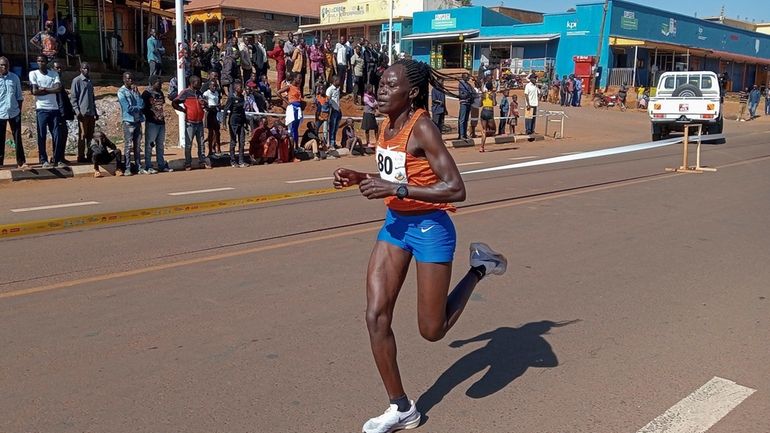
pixel 335 113
pixel 341 58
pixel 531 100
pixel 45 86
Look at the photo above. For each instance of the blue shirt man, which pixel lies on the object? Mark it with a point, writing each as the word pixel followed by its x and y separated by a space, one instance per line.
pixel 154 52
pixel 11 99
pixel 131 105
pixel 754 97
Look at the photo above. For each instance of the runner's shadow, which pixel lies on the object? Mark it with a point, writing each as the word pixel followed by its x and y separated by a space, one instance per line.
pixel 508 354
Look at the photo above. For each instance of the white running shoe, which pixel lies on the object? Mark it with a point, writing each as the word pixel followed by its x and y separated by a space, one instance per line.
pixel 494 262
pixel 393 420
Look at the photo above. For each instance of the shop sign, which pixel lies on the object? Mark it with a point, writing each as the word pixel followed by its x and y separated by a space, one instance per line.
pixel 701 36
pixel 629 21
pixel 669 28
pixel 443 22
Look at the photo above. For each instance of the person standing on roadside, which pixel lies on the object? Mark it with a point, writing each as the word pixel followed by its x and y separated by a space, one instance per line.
pixel 288 51
pixel 335 112
pixel 154 52
pixel 299 64
pixel 754 97
pixel 341 59
pixel 280 62
pixel 190 101
pixel 67 113
pixel 45 86
pixel 11 99
pixel 84 104
pixel 316 56
pixel 532 101
pixel 767 100
pixel 236 113
pixel 438 105
pixel 359 68
pixel 467 94
pixel 153 100
pixel 46 41
pixel 131 114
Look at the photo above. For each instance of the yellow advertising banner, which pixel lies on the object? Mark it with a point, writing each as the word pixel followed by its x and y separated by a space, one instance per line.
pixel 353 11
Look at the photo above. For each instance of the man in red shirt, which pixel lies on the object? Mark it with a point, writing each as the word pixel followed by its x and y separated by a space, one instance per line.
pixel 190 101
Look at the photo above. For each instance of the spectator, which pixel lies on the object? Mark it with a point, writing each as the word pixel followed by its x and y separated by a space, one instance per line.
pixel 312 141
pixel 322 111
pixel 237 123
pixel 264 88
pixel 190 102
pixel 45 86
pixel 282 142
pixel 116 45
pixel 196 55
pixel 259 145
pixel 131 106
pixel 229 68
pixel 294 108
pixel 623 94
pixel 83 102
pixel 214 54
pixel 11 99
pixel 67 113
pixel 505 108
pixel 578 95
pixel 369 123
pixel 466 93
pixel 349 138
pixel 563 91
pixel 153 101
pixel 743 99
pixel 212 120
pixel 475 105
pixel 155 52
pixel 372 60
pixel 280 62
pixel 259 57
pixel 341 60
pixel 252 81
pixel 570 92
pixel 438 106
pixel 514 116
pixel 46 41
pixel 299 67
pixel 245 52
pixel 288 51
pixel 316 55
pixel 488 102
pixel 767 100
pixel 329 59
pixel 102 151
pixel 335 112
pixel 358 67
pixel 532 101
pixel 754 97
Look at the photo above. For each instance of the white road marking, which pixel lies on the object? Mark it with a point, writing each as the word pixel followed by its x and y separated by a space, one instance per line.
pixel 700 410
pixel 584 155
pixel 519 158
pixel 316 179
pixel 201 191
pixel 55 206
pixel 462 164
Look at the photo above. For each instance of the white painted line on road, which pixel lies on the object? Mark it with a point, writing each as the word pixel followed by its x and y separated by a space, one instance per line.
pixel 520 158
pixel 201 191
pixel 462 164
pixel 700 410
pixel 316 179
pixel 55 206
pixel 587 155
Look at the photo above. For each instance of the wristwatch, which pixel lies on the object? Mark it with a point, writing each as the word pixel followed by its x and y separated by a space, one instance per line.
pixel 402 192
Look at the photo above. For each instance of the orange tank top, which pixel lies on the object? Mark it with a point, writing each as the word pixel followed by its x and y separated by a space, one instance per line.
pixel 295 95
pixel 397 165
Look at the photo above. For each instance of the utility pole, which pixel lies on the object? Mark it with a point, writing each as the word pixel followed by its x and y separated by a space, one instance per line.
pixel 179 59
pixel 599 49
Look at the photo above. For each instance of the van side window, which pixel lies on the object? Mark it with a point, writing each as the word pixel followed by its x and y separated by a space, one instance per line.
pixel 706 83
pixel 695 80
pixel 669 83
pixel 681 80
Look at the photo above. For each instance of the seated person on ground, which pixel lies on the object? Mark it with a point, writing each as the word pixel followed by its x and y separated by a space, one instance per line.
pixel 312 141
pixel 102 151
pixel 350 139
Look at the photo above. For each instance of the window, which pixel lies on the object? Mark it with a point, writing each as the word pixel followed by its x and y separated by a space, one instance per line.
pixel 269 17
pixel 294 19
pixel 669 83
pixel 706 82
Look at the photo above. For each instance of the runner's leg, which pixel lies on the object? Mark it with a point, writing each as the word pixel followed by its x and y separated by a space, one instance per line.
pixel 437 312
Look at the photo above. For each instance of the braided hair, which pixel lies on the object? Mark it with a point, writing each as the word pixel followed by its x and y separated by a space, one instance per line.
pixel 422 76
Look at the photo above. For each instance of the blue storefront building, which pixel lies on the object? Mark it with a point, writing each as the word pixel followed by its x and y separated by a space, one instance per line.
pixel 638 43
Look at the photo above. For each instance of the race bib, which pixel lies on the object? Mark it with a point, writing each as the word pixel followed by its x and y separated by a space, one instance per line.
pixel 392 165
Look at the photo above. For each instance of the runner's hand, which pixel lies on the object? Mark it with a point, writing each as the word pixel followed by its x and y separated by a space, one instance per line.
pixel 344 177
pixel 377 188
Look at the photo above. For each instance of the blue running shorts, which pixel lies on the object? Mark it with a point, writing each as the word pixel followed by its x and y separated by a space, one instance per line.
pixel 430 237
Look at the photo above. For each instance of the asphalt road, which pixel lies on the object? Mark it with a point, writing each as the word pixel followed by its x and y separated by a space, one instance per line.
pixel 628 289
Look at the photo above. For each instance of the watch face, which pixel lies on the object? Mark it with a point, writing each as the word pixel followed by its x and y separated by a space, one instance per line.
pixel 401 192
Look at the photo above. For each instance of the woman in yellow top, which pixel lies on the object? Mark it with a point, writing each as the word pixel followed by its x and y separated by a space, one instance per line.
pixel 488 103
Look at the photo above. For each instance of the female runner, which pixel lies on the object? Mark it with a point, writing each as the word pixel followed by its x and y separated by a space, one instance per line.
pixel 419 180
